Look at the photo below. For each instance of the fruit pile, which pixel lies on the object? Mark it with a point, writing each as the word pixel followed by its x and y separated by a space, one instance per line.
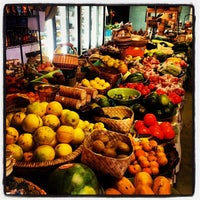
pixel 149 126
pixel 149 157
pixel 109 61
pixel 45 131
pixel 97 83
pixel 102 144
pixel 142 184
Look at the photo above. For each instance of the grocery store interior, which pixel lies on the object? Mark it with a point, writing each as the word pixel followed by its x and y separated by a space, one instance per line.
pixel 125 72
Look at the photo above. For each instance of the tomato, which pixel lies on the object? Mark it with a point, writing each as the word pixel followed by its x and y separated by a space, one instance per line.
pixel 143 130
pixel 138 124
pixel 150 119
pixel 139 86
pixel 152 86
pixel 168 130
pixel 169 133
pixel 164 125
pixel 156 132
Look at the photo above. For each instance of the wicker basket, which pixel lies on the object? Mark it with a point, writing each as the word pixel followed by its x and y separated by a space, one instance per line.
pixel 123 124
pixel 110 74
pixel 102 164
pixel 65 61
pixel 48 164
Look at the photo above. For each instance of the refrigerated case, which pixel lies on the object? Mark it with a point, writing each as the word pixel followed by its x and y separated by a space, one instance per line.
pixel 83 26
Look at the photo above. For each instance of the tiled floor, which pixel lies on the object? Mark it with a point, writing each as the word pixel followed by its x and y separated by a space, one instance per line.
pixel 185 177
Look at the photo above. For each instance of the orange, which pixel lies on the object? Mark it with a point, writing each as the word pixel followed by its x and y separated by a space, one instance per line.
pixel 123 68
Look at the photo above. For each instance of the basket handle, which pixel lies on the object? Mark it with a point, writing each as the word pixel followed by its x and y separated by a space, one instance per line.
pixel 69 45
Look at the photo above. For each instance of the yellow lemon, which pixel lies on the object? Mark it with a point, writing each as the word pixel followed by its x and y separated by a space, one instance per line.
pixel 63 114
pixel 16 151
pixel 7 123
pixel 71 118
pixel 31 122
pixel 44 153
pixel 12 135
pixel 63 149
pixel 17 119
pixel 64 134
pixel 9 116
pixel 36 108
pixel 78 137
pixel 26 142
pixel 51 120
pixel 99 125
pixel 44 135
pixel 55 108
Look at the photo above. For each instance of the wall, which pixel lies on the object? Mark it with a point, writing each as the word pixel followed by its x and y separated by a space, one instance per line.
pixel 138 14
pixel 137 17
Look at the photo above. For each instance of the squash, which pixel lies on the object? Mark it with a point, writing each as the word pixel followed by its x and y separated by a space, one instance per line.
pixel 143 190
pixel 73 179
pixel 125 186
pixel 112 191
pixel 143 178
pixel 161 186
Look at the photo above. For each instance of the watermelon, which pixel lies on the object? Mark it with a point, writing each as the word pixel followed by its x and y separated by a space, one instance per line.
pixel 73 179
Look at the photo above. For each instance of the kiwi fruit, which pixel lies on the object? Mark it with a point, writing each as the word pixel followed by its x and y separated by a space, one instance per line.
pixel 103 138
pixel 121 156
pixel 123 148
pixel 110 152
pixel 98 146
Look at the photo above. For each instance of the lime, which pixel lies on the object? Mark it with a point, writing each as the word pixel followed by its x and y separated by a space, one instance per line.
pixel 164 99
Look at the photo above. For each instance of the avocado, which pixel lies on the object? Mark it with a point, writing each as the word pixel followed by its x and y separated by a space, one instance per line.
pixel 152 100
pixel 135 77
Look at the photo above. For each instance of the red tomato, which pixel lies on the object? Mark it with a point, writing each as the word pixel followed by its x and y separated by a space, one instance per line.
pixel 164 125
pixel 169 133
pixel 152 86
pixel 150 119
pixel 139 86
pixel 138 124
pixel 156 132
pixel 143 130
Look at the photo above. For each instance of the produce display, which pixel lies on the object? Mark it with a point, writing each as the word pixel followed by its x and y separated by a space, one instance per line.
pixel 122 117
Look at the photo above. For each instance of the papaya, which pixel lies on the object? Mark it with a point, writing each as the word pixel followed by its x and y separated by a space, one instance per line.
pixel 143 190
pixel 73 179
pixel 125 186
pixel 143 178
pixel 161 186
pixel 112 191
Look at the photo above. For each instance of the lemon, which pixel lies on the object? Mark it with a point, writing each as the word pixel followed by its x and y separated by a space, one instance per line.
pixel 64 134
pixel 17 119
pixel 26 142
pixel 16 151
pixel 85 82
pixel 63 149
pixel 78 136
pixel 99 125
pixel 97 79
pixel 36 108
pixel 7 122
pixel 31 122
pixel 9 116
pixel 54 142
pixel 63 114
pixel 51 120
pixel 55 108
pixel 44 135
pixel 71 118
pixel 44 153
pixel 12 135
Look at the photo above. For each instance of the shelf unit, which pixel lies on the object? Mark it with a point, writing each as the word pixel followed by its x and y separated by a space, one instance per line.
pixel 20 39
pixel 169 14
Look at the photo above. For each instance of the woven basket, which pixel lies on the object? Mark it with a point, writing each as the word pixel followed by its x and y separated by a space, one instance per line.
pixel 65 61
pixel 123 124
pixel 103 164
pixel 110 74
pixel 46 164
